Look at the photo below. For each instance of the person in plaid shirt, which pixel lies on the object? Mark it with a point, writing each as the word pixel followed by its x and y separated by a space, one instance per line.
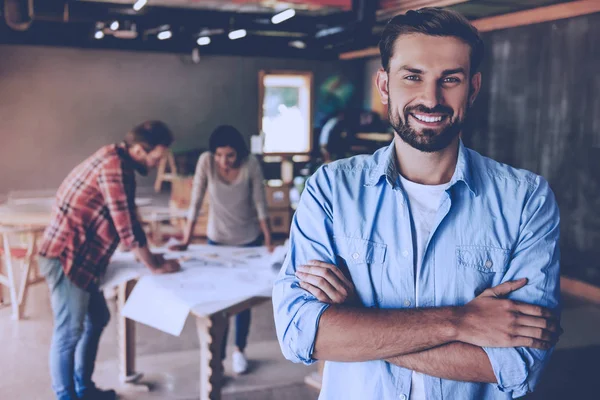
pixel 94 212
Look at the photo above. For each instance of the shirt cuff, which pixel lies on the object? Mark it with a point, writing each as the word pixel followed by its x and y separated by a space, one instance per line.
pixel 305 325
pixel 510 369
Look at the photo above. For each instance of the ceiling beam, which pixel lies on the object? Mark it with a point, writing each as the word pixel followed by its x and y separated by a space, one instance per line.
pixel 341 4
pixel 511 20
pixel 364 53
pixel 538 15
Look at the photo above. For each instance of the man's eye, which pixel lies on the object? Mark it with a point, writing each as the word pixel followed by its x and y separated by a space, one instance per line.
pixel 412 78
pixel 451 79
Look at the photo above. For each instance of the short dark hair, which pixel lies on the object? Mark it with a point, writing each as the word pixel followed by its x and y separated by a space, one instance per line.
pixel 150 134
pixel 227 135
pixel 434 22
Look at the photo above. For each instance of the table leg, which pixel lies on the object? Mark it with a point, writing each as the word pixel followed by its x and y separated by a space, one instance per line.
pixel 126 337
pixel 8 262
pixel 211 332
pixel 1 285
pixel 25 281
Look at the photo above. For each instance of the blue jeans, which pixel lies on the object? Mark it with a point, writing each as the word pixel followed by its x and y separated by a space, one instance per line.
pixel 79 319
pixel 242 320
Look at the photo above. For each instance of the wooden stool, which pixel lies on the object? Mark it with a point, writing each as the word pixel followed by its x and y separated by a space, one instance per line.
pixel 25 254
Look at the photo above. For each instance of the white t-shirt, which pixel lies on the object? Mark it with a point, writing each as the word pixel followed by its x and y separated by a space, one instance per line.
pixel 424 201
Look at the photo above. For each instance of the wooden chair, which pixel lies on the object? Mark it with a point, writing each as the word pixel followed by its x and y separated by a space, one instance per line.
pixel 14 255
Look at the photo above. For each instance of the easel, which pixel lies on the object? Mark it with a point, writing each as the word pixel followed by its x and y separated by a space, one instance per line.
pixel 162 175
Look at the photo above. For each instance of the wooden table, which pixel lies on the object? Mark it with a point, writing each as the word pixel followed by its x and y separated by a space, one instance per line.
pixel 212 317
pixel 211 323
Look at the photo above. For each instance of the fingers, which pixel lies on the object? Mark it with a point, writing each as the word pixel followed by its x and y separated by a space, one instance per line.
pixel 174 265
pixel 506 288
pixel 551 325
pixel 315 291
pixel 330 267
pixel 533 310
pixel 337 294
pixel 329 273
pixel 535 333
pixel 521 341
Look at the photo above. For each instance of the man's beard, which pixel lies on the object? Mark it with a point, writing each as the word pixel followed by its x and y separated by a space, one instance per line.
pixel 427 140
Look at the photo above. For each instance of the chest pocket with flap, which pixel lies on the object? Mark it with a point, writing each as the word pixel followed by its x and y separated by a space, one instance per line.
pixel 364 260
pixel 479 268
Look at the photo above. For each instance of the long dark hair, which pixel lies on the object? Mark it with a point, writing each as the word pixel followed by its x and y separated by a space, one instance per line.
pixel 227 135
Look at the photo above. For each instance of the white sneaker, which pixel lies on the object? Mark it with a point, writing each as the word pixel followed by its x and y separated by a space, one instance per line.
pixel 239 363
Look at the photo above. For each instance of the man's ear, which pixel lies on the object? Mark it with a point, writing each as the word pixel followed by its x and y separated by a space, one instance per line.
pixel 382 86
pixel 474 88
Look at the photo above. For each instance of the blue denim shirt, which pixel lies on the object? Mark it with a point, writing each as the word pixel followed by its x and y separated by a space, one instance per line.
pixel 495 223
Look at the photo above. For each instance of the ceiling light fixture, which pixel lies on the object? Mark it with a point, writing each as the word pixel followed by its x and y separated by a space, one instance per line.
pixel 164 35
pixel 114 25
pixel 237 34
pixel 329 31
pixel 139 4
pixel 299 44
pixel 203 41
pixel 99 35
pixel 283 16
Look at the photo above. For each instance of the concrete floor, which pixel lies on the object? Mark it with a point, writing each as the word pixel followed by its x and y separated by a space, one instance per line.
pixel 170 364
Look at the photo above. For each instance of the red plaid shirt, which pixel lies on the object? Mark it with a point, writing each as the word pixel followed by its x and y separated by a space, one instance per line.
pixel 94 210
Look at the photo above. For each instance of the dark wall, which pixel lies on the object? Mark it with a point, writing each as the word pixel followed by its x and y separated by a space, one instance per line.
pixel 539 109
pixel 58 105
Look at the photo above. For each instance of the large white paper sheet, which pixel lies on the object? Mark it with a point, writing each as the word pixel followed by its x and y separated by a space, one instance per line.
pixel 209 275
pixel 156 307
pixel 200 283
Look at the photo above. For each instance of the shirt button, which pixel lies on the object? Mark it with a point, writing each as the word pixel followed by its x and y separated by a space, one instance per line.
pixel 489 263
pixel 402 397
pixel 405 253
pixel 355 256
pixel 406 303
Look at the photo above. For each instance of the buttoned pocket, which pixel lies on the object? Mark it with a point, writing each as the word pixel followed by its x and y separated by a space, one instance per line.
pixel 479 268
pixel 360 251
pixel 482 258
pixel 364 260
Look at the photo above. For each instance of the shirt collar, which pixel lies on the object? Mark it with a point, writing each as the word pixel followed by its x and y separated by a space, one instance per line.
pixel 386 166
pixel 464 170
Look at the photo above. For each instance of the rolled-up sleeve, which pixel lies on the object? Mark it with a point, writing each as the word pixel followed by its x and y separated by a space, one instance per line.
pixel 297 312
pixel 537 258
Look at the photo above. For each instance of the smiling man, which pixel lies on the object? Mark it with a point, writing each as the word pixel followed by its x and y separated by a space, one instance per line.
pixel 453 258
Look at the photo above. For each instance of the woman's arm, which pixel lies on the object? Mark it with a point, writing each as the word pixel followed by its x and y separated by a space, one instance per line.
pixel 257 181
pixel 199 186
